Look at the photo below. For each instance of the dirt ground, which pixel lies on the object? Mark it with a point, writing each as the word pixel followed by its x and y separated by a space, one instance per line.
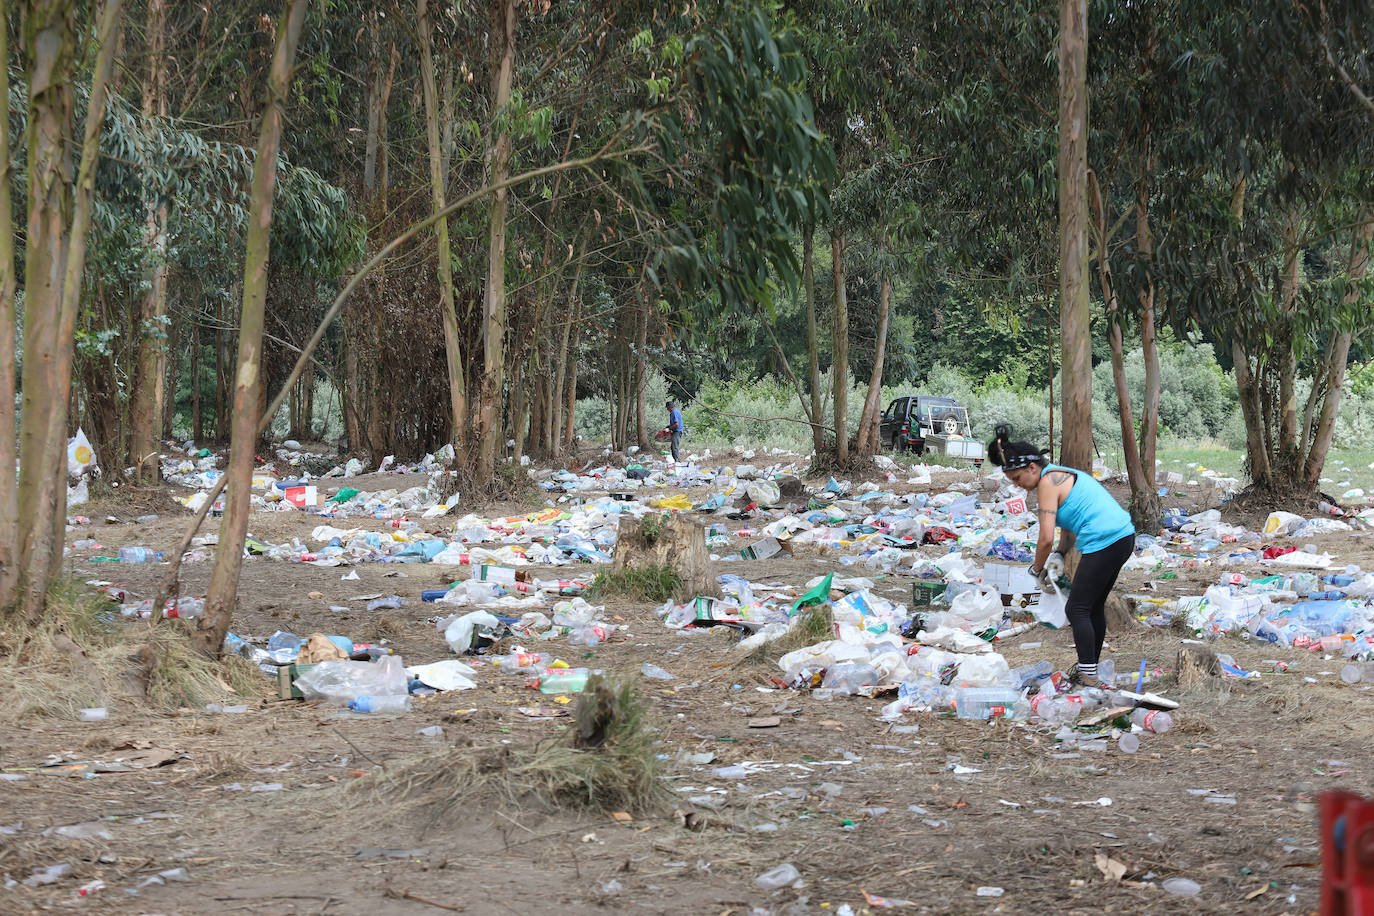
pixel 257 807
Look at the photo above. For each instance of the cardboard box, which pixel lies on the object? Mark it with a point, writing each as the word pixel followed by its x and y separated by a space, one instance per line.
pixel 286 681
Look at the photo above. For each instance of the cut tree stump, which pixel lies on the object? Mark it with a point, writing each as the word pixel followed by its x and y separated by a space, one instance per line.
pixel 1197 667
pixel 667 541
pixel 1120 617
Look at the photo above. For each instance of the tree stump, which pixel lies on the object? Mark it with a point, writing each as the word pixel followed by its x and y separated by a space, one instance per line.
pixel 1120 617
pixel 666 541
pixel 1197 667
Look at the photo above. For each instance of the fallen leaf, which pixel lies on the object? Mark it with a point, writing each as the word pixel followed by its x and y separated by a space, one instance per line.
pixel 1111 869
pixel 765 722
pixel 622 817
pixel 1262 889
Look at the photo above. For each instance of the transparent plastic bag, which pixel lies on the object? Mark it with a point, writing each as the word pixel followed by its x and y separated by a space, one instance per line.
pixel 339 683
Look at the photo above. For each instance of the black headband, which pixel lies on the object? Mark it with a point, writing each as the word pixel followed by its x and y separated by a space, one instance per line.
pixel 1016 462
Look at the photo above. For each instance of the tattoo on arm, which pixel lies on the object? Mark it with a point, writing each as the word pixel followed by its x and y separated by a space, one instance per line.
pixel 1047 512
pixel 1058 477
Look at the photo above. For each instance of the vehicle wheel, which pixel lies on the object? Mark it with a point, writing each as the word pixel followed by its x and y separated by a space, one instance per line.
pixel 951 426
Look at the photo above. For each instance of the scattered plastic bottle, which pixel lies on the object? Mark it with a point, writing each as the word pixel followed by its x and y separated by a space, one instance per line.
pixel 985 702
pixel 1128 743
pixel 1029 675
pixel 95 714
pixel 560 680
pixel 145 519
pixel 1152 720
pixel 140 555
pixel 1358 674
pixel 399 703
pixel 1106 671
pixel 522 661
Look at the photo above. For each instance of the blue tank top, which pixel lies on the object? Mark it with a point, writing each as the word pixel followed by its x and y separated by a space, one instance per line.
pixel 1096 520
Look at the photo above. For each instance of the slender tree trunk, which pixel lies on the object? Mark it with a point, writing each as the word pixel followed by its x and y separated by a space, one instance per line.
pixel 840 349
pixel 494 302
pixel 1335 379
pixel 172 360
pixel 642 373
pixel 813 355
pixel 1144 503
pixel 9 435
pixel 569 432
pixel 197 427
pixel 1149 340
pixel 224 578
pixel 1074 317
pixel 1287 358
pixel 48 39
pixel 147 393
pixel 1252 412
pixel 458 409
pixel 868 424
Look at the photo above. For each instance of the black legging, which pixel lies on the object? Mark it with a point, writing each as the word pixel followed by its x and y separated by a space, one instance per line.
pixel 1086 607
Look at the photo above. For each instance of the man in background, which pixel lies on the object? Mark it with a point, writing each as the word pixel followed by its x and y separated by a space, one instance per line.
pixel 674 427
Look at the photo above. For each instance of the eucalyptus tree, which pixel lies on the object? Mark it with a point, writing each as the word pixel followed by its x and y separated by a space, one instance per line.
pixel 59 204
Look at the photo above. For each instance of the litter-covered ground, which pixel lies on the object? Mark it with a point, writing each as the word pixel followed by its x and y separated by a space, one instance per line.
pixel 871 711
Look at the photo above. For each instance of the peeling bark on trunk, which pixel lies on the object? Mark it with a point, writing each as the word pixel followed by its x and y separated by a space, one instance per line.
pixel 9 436
pixel 147 392
pixel 224 578
pixel 813 356
pixel 494 301
pixel 1074 317
pixel 840 348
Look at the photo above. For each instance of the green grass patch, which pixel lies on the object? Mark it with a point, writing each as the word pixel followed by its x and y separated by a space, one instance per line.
pixel 646 583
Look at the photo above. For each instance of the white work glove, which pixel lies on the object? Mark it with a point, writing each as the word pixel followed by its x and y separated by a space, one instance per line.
pixel 1054 565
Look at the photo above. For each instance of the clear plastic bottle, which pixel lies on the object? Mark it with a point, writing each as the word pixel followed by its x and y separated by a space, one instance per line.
pixel 1152 720
pixel 985 702
pixel 1362 673
pixel 140 555
pixel 522 661
pixel 1028 675
pixel 399 703
pixel 1106 671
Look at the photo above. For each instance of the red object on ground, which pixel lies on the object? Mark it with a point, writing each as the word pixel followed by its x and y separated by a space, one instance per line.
pixel 939 536
pixel 1272 552
pixel 1347 823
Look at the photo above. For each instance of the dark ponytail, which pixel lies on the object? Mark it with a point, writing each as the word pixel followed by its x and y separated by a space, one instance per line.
pixel 1011 455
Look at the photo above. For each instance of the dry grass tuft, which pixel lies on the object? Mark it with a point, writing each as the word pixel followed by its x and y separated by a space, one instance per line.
pixel 607 761
pixel 83 654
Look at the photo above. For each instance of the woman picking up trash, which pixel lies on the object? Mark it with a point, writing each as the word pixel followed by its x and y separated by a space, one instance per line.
pixel 1091 520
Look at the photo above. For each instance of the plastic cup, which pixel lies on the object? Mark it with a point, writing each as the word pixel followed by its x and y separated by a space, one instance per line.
pixel 1128 743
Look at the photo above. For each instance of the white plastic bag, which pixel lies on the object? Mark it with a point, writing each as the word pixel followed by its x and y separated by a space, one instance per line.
pixel 1280 524
pixel 763 492
pixel 1049 610
pixel 80 455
